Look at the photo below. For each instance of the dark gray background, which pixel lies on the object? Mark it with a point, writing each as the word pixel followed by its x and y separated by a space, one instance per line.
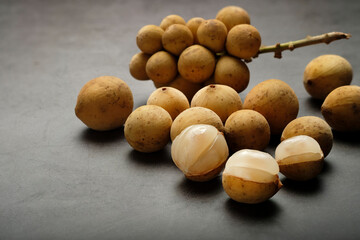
pixel 60 180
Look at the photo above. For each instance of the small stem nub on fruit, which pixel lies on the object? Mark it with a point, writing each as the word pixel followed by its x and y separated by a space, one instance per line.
pixel 309 40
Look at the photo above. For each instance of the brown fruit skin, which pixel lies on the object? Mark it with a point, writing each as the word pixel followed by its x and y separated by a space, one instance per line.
pixel 171 99
pixel 341 108
pixel 196 64
pixel 104 103
pixel 243 41
pixel 232 72
pixel 250 192
pixel 176 38
pixel 147 129
pixel 170 20
pixel 325 73
pixel 232 16
pixel 161 67
pixel 247 129
pixel 311 126
pixel 149 39
pixel 193 24
pixel 195 115
pixel 276 101
pixel 303 171
pixel 207 176
pixel 222 99
pixel 137 66
pixel 212 34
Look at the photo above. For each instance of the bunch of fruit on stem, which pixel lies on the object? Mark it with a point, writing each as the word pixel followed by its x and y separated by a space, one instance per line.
pixel 189 55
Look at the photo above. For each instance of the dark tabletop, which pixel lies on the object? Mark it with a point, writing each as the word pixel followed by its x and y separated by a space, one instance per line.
pixel 60 180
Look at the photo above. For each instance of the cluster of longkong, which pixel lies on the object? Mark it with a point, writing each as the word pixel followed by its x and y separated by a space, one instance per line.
pixel 198 68
pixel 190 55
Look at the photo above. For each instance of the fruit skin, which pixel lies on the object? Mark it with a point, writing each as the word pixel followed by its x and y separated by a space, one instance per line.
pixel 147 129
pixel 341 108
pixel 161 67
pixel 222 99
pixel 303 171
pixel 212 34
pixel 171 99
pixel 232 16
pixel 104 103
pixel 276 101
pixel 311 126
pixel 207 176
pixel 176 38
pixel 137 66
pixel 243 41
pixel 196 64
pixel 247 129
pixel 192 116
pixel 149 39
pixel 193 24
pixel 170 20
pixel 232 72
pixel 325 73
pixel 250 192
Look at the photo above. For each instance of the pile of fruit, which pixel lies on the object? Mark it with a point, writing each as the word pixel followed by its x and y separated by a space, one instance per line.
pixel 199 68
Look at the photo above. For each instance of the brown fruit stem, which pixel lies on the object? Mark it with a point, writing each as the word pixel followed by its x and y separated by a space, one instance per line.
pixel 309 40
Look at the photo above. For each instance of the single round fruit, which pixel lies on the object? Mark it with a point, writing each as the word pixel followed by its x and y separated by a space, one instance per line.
pixel 170 20
pixel 104 103
pixel 311 126
pixel 251 176
pixel 193 24
pixel 243 41
pixel 222 99
pixel 196 64
pixel 232 16
pixel 176 38
pixel 149 39
pixel 192 116
pixel 147 129
pixel 300 158
pixel 325 73
pixel 200 152
pixel 276 101
pixel 247 129
pixel 137 66
pixel 232 72
pixel 212 34
pixel 341 108
pixel 171 99
pixel 161 67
